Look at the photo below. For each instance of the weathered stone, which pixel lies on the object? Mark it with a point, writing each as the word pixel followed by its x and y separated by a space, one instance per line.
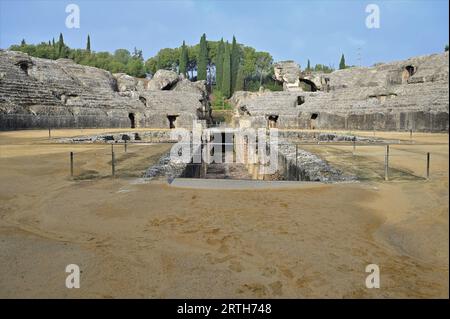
pixel 404 95
pixel 163 80
pixel 288 72
pixel 125 82
pixel 42 93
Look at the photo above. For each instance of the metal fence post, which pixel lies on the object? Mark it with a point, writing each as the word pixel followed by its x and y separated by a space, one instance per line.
pixel 386 164
pixel 296 161
pixel 71 164
pixel 428 165
pixel 113 166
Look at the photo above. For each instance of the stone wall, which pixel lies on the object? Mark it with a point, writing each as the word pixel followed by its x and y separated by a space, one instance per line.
pixel 41 93
pixel 404 95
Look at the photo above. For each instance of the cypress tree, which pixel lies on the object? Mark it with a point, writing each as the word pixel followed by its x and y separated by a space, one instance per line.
pixel 308 67
pixel 239 80
pixel 234 63
pixel 342 63
pixel 61 50
pixel 53 41
pixel 23 42
pixel 202 59
pixel 88 44
pixel 219 65
pixel 226 78
pixel 183 59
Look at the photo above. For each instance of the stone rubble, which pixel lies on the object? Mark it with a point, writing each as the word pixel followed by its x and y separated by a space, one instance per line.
pixel 310 166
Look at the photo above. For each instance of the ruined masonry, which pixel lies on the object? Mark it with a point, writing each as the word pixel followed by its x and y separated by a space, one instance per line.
pixel 41 93
pixel 403 95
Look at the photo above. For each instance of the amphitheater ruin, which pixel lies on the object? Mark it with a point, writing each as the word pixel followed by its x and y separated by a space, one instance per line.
pixel 410 95
pixel 87 177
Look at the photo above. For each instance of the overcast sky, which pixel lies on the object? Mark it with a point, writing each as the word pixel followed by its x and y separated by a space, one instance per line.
pixel 289 30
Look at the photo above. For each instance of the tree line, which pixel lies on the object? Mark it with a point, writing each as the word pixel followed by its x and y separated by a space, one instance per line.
pixel 226 67
pixel 121 61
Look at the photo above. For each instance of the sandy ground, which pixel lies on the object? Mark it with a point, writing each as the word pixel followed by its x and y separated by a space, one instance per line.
pixel 153 240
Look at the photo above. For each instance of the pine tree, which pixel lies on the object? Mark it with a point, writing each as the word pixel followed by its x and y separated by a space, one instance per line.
pixel 202 59
pixel 219 65
pixel 226 78
pixel 308 67
pixel 239 80
pixel 342 63
pixel 234 63
pixel 88 44
pixel 183 59
pixel 23 42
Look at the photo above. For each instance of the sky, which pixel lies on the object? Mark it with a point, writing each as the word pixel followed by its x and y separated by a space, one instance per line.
pixel 290 30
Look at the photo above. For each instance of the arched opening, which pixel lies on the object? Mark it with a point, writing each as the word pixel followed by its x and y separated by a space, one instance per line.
pixel 172 119
pixel 24 67
pixel 143 100
pixel 313 121
pixel 300 100
pixel 132 120
pixel 408 71
pixel 308 85
pixel 272 121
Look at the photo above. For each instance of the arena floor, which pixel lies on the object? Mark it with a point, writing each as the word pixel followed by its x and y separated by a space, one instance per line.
pixel 153 240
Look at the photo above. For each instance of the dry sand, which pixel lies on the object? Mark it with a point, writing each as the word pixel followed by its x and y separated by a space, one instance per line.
pixel 152 240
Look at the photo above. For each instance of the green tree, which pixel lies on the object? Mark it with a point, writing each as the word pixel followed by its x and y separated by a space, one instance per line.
pixel 263 65
pixel 122 56
pixel 135 67
pixel 202 59
pixel 23 43
pixel 183 59
pixel 446 48
pixel 342 63
pixel 88 44
pixel 151 65
pixel 62 50
pixel 226 78
pixel 308 66
pixel 219 65
pixel 235 61
pixel 239 80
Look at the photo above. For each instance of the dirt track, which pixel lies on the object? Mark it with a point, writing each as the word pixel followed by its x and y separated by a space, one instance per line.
pixel 154 240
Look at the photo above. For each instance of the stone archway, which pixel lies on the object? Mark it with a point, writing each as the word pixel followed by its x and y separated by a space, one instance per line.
pixel 308 85
pixel 313 121
pixel 172 119
pixel 408 71
pixel 132 120
pixel 272 121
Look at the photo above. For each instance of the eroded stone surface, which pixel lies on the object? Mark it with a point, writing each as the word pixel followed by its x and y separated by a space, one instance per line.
pixel 41 93
pixel 403 95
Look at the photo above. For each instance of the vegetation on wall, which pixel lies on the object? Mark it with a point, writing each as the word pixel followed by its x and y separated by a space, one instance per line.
pixel 120 61
pixel 225 67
